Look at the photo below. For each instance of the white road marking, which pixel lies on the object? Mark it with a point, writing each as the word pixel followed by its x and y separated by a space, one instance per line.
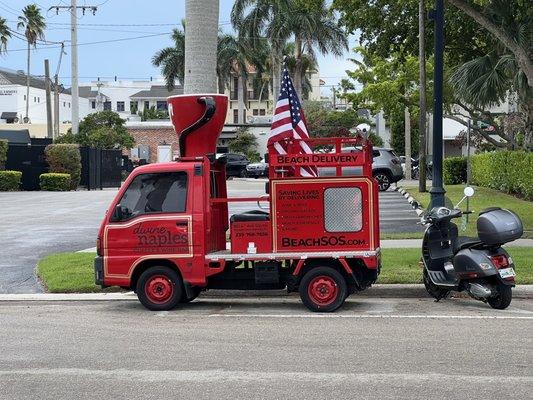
pixel 237 376
pixel 363 316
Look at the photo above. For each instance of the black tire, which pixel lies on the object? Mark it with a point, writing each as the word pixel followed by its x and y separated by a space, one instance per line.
pixel 159 288
pixel 502 300
pixel 384 180
pixel 323 289
pixel 196 292
pixel 242 173
pixel 432 289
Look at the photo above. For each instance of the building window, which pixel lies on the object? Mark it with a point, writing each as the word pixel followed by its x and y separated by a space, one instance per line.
pixel 234 95
pixel 93 104
pixel 255 112
pixel 162 105
pixel 107 105
pixel 262 111
pixel 120 106
pixel 235 116
pixel 24 97
pixel 38 99
pixel 133 107
pixel 69 104
pixel 35 99
pixel 64 104
pixel 146 105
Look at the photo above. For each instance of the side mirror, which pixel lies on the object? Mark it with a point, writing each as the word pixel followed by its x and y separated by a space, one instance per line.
pixel 469 191
pixel 119 213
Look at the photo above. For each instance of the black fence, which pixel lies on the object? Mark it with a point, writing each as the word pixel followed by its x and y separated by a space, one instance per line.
pixel 30 160
pixel 100 168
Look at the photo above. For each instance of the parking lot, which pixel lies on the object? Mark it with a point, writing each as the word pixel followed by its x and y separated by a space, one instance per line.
pixel 269 347
pixel 35 224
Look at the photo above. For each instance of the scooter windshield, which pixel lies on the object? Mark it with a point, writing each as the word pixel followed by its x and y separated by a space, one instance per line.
pixel 447 203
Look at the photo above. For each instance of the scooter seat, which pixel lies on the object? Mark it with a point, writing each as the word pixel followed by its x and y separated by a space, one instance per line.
pixel 465 242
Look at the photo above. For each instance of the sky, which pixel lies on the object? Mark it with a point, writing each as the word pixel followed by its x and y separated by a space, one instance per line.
pixel 128 59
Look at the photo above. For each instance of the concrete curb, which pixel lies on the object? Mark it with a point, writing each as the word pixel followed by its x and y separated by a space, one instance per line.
pixel 411 200
pixel 378 291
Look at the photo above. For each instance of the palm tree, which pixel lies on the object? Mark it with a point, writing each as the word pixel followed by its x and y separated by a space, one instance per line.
pixel 307 65
pixel 5 35
pixel 172 59
pixel 235 56
pixel 33 24
pixel 312 26
pixel 200 46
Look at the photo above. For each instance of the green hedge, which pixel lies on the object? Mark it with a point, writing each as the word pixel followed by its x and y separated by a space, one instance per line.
pixel 507 171
pixel 65 159
pixel 10 180
pixel 55 182
pixel 3 153
pixel 454 170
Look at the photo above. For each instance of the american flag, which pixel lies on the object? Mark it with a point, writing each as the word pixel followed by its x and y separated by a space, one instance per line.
pixel 288 122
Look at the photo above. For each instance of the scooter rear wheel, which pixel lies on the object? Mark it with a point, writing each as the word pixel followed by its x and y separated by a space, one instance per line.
pixel 502 300
pixel 432 289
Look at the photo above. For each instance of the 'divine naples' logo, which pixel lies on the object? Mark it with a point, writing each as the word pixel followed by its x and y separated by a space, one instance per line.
pixel 159 236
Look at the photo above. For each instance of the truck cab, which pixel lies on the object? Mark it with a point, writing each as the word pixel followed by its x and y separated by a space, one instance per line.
pixel 165 233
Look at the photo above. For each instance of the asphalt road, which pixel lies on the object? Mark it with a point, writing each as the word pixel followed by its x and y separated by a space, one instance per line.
pixel 35 224
pixel 262 348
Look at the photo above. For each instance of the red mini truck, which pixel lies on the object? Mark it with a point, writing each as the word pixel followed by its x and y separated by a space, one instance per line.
pixel 164 235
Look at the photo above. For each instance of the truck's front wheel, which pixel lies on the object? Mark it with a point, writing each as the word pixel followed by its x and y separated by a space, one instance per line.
pixel 159 288
pixel 323 289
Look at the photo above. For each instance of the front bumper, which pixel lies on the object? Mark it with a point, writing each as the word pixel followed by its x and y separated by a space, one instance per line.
pixel 99 271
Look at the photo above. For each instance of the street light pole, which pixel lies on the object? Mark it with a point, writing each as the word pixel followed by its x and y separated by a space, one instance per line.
pixel 437 190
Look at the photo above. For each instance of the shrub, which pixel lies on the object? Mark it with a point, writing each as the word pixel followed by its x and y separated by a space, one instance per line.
pixel 65 159
pixel 454 170
pixel 55 182
pixel 507 171
pixel 3 153
pixel 10 180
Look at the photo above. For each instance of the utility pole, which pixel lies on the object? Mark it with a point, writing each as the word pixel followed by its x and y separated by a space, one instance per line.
pixel 73 8
pixel 422 90
pixel 407 117
pixel 49 130
pixel 56 93
pixel 437 190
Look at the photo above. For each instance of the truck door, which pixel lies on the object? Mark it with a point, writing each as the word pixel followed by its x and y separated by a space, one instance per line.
pixel 151 221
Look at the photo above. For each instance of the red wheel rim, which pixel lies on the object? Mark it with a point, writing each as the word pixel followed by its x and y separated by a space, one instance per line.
pixel 159 289
pixel 323 290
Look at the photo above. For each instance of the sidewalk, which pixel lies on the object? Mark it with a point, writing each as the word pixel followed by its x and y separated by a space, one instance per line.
pixel 417 243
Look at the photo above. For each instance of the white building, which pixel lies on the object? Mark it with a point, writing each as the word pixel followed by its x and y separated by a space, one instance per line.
pixel 13 100
pixel 127 98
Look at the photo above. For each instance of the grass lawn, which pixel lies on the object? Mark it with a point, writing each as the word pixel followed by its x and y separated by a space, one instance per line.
pixel 74 273
pixel 483 198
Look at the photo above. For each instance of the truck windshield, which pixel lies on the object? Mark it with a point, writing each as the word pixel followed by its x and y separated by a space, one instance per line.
pixel 155 193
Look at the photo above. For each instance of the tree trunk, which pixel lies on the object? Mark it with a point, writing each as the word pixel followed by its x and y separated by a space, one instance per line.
pixel 28 85
pixel 422 89
pixel 521 54
pixel 407 117
pixel 528 134
pixel 221 86
pixel 240 99
pixel 276 76
pixel 298 66
pixel 201 46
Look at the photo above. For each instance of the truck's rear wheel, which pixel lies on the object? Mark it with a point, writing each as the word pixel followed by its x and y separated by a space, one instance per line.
pixel 323 289
pixel 159 288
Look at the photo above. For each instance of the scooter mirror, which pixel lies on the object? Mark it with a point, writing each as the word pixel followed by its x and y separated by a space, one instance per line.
pixel 469 191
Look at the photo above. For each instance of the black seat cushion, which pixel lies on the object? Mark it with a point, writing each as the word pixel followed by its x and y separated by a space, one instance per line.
pixel 465 242
pixel 253 215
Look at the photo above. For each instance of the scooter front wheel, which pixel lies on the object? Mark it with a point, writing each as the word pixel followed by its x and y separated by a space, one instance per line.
pixel 433 290
pixel 502 300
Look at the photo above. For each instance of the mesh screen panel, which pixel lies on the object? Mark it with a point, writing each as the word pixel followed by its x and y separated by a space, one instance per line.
pixel 343 209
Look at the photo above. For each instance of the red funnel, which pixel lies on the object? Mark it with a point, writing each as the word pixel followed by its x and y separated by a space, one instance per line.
pixel 198 120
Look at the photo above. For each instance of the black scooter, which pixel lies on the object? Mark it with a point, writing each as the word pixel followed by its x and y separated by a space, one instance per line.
pixel 477 265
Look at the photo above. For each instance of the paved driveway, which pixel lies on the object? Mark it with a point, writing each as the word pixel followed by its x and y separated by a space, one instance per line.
pixel 34 224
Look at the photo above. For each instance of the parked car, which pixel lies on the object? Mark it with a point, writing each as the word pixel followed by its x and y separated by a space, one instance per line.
pixel 235 164
pixel 386 167
pixel 257 169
